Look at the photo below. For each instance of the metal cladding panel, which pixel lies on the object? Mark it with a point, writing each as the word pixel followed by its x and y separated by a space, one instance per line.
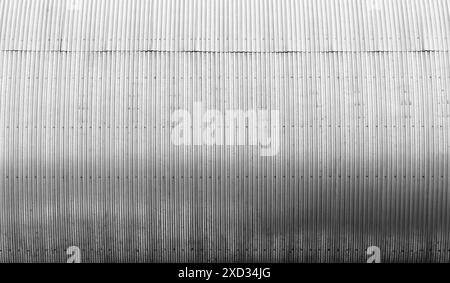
pixel 225 26
pixel 87 159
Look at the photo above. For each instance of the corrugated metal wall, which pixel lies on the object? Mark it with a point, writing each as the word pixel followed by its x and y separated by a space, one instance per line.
pixel 87 92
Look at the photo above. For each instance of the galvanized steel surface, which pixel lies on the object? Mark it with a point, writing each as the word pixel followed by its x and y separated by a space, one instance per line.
pixel 87 91
pixel 225 26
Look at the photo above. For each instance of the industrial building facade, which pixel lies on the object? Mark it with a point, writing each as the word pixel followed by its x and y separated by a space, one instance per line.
pixel 88 92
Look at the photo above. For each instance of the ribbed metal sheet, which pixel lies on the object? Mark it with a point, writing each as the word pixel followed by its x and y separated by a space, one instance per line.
pixel 217 25
pixel 86 158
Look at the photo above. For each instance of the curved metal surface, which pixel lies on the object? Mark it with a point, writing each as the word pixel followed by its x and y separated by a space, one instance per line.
pixel 87 94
